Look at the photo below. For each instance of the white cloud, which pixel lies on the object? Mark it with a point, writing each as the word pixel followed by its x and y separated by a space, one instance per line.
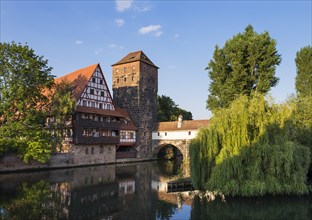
pixel 98 51
pixel 78 42
pixel 154 29
pixel 120 22
pixel 115 46
pixel 123 5
pixel 112 46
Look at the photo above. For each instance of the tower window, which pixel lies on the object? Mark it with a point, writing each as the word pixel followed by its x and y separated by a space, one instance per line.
pixel 117 80
pixel 125 79
pixel 132 78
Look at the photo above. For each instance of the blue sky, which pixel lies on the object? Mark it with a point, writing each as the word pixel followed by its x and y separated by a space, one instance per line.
pixel 178 36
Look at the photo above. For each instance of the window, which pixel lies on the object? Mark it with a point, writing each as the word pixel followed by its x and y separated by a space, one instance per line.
pixel 158 134
pixel 92 91
pixel 93 80
pixel 189 133
pixel 117 80
pixel 125 79
pixel 87 150
pixel 101 150
pixel 131 135
pixel 165 133
pixel 84 102
pixel 101 81
pixel 100 105
pixel 92 150
pixel 102 93
pixel 93 104
pixel 132 78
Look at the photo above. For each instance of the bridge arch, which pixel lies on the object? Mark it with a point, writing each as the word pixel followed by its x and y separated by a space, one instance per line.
pixel 181 145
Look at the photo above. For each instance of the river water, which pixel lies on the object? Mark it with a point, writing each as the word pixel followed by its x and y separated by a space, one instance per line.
pixel 129 191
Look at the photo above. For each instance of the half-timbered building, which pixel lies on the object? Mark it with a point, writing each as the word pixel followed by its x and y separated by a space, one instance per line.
pixel 93 131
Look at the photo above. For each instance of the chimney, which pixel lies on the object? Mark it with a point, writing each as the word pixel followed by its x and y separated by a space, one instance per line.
pixel 180 117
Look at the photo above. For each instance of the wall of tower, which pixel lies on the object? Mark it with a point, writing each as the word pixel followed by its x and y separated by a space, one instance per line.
pixel 135 88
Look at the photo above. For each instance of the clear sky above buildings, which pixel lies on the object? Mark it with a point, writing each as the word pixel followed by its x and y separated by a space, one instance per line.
pixel 178 36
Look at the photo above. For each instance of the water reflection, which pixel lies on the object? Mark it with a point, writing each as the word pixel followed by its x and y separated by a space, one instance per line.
pixel 132 191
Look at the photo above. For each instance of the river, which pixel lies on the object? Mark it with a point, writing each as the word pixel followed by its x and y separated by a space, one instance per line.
pixel 129 191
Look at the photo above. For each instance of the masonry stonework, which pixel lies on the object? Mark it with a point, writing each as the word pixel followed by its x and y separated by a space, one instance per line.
pixel 135 86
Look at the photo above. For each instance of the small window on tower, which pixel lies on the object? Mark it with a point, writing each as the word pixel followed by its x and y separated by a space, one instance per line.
pixel 125 79
pixel 132 78
pixel 117 80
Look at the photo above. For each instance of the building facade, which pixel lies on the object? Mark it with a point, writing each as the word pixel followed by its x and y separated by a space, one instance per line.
pixel 135 86
pixel 96 128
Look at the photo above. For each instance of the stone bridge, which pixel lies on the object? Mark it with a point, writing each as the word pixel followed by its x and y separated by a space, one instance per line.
pixel 182 145
pixel 177 133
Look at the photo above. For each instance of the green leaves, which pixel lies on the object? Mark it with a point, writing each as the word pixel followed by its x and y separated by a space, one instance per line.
pixel 304 71
pixel 168 110
pixel 245 65
pixel 24 76
pixel 247 150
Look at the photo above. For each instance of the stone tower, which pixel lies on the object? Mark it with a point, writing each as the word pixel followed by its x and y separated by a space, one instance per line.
pixel 135 86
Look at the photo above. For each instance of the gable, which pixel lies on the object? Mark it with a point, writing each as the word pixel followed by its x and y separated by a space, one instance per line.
pixel 96 94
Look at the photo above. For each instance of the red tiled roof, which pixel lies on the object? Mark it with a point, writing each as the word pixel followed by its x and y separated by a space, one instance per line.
pixel 186 125
pixel 78 79
pixel 135 56
pixel 130 125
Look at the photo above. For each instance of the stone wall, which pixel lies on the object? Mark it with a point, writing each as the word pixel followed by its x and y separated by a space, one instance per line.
pixel 94 154
pixel 105 154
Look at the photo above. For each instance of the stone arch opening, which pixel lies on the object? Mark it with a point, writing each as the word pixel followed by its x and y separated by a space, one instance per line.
pixel 169 152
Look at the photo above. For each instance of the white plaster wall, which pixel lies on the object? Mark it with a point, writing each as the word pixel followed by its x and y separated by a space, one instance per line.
pixel 174 135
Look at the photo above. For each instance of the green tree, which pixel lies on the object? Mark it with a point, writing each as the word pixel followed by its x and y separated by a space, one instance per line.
pixel 304 72
pixel 248 150
pixel 168 110
pixel 303 114
pixel 246 64
pixel 24 76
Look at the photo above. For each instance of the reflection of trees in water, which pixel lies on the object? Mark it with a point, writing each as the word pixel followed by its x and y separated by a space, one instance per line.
pixel 169 168
pixel 164 210
pixel 279 207
pixel 36 202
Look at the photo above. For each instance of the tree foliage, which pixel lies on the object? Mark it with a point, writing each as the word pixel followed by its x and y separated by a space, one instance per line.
pixel 304 72
pixel 25 79
pixel 168 110
pixel 303 114
pixel 248 150
pixel 246 64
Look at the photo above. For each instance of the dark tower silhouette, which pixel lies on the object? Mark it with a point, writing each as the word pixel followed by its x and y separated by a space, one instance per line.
pixel 135 86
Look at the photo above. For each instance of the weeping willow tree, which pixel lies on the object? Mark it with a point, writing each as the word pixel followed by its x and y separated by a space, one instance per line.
pixel 248 150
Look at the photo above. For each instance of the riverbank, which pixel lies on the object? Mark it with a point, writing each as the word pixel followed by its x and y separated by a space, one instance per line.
pixel 11 163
